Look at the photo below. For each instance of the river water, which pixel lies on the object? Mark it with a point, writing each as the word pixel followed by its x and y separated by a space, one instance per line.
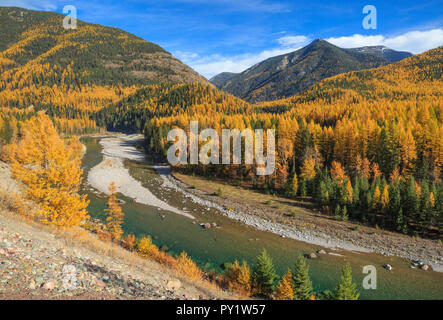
pixel 210 248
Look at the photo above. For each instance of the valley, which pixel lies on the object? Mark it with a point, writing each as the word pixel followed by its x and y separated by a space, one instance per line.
pixel 237 238
pixel 86 117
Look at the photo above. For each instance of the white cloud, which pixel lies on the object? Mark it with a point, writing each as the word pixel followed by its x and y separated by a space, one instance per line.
pixel 289 41
pixel 414 41
pixel 211 65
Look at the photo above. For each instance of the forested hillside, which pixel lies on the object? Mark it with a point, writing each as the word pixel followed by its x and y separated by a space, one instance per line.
pixel 167 100
pixel 73 73
pixel 366 145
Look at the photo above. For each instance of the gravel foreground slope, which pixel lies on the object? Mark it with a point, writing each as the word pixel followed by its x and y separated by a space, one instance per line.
pixel 39 264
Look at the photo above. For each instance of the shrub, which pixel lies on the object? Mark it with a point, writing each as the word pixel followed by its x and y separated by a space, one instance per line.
pixel 146 248
pixel 129 242
pixel 238 277
pixel 187 267
pixel 103 235
pixel 285 289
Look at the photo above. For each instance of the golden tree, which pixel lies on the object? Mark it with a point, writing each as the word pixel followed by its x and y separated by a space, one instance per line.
pixel 50 170
pixel 115 214
pixel 238 277
pixel 294 185
pixel 285 289
pixel 385 197
pixel 376 197
pixel 308 169
pixel 337 172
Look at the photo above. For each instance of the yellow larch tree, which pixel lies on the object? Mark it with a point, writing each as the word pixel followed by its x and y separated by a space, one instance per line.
pixel 285 289
pixel 49 168
pixel 376 198
pixel 115 214
pixel 308 169
pixel 385 197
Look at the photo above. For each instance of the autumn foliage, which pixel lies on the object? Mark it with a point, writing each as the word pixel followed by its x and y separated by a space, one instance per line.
pixel 115 214
pixel 49 168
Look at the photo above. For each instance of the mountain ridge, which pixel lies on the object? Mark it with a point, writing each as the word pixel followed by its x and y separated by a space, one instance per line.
pixel 95 53
pixel 288 74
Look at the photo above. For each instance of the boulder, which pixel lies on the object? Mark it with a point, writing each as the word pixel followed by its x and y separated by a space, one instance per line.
pixel 50 285
pixel 99 284
pixel 424 267
pixel 388 267
pixel 173 284
pixel 321 251
pixel 312 255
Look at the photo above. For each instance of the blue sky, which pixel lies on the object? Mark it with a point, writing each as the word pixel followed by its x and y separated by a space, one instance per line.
pixel 231 35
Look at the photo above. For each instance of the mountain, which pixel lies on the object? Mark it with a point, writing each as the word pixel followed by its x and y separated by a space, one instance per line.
pixel 221 78
pixel 382 52
pixel 416 80
pixel 37 50
pixel 286 75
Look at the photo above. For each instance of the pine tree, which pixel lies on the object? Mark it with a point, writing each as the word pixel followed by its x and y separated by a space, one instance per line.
pixel 115 214
pixel 400 222
pixel 411 203
pixel 300 279
pixel 264 276
pixel 346 289
pixel 356 192
pixel 303 188
pixel 285 289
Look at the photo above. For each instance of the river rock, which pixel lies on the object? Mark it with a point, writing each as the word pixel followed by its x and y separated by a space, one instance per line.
pixel 312 255
pixel 321 251
pixel 50 285
pixel 100 285
pixel 424 267
pixel 32 285
pixel 388 267
pixel 206 225
pixel 69 277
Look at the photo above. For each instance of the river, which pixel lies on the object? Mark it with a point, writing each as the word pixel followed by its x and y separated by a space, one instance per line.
pixel 211 248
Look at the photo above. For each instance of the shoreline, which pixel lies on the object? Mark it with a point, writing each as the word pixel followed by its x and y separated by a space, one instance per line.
pixel 314 237
pixel 328 238
pixel 112 169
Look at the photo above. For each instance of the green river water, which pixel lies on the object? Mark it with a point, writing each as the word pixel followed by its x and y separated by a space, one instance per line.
pixel 213 247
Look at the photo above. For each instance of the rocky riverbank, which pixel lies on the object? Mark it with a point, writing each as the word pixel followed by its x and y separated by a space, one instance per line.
pixel 42 264
pixel 310 228
pixel 315 229
pixel 111 169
